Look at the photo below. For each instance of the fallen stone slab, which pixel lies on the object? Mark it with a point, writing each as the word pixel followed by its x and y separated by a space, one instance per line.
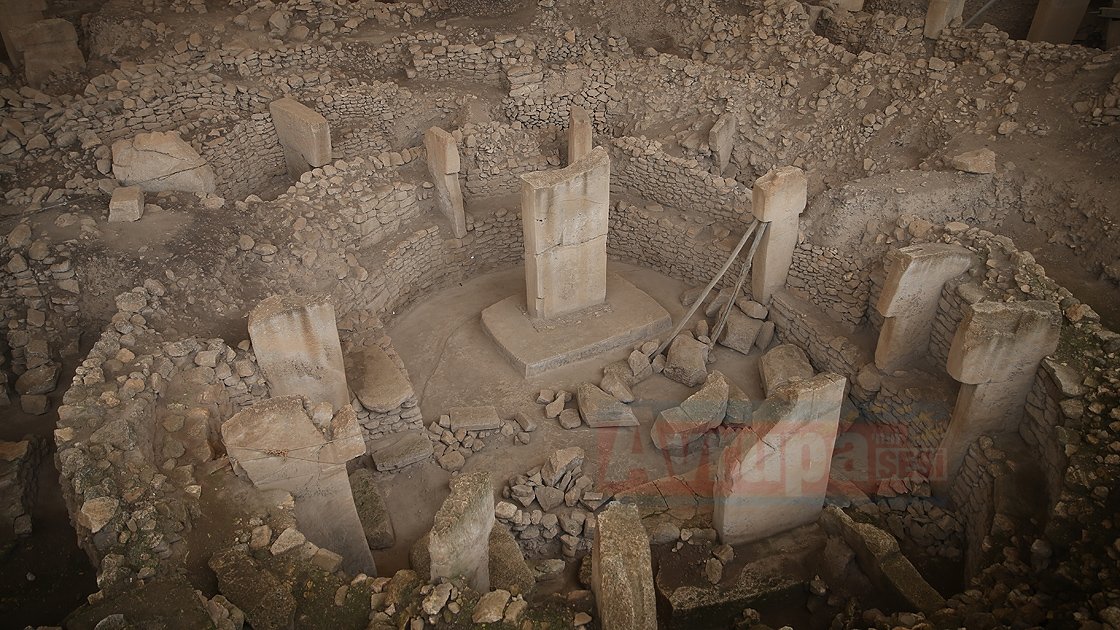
pixel 709 404
pixel 687 360
pixel 474 418
pixel 378 383
pixel 161 161
pixel 741 331
pixel 372 510
pixel 622 571
pixel 560 463
pixel 705 410
pixel 783 364
pixel 399 450
pixel 600 409
pixel 508 568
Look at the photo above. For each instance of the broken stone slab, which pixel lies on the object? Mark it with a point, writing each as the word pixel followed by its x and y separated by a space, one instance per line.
pixel 161 161
pixel 617 387
pixel 622 571
pixel 741 331
pixel 378 383
pixel 474 418
pixel 600 409
pixel 740 407
pixel 444 164
pixel 38 380
pixel 880 558
pixel 127 204
pixel 709 404
pixel 978 161
pixel 295 339
pixel 783 364
pixel 372 510
pixel 687 360
pixel 458 545
pixel 561 462
pixel 508 568
pixel 400 450
pixel 304 134
pixel 266 600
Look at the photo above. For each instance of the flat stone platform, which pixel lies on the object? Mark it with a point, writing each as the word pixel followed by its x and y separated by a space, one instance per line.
pixel 628 316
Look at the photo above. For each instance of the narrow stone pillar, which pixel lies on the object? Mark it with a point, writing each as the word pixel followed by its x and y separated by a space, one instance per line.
pixel 778 198
pixel 281 446
pixel 564 218
pixel 622 571
pixel 721 139
pixel 296 342
pixel 1057 21
pixel 444 166
pixel 774 477
pixel 915 276
pixel 47 47
pixel 940 14
pixel 995 354
pixel 304 134
pixel 579 134
pixel 459 542
pixel 18 14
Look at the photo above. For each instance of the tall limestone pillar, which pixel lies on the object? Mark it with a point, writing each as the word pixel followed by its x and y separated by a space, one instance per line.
pixel 579 134
pixel 444 165
pixel 778 199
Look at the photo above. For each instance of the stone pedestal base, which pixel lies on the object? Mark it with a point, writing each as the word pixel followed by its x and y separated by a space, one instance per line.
pixel 629 315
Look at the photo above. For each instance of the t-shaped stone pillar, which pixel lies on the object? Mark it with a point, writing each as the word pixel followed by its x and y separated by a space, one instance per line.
pixel 564 217
pixel 912 289
pixel 283 447
pixel 775 479
pixel 296 342
pixel 459 542
pixel 995 354
pixel 579 134
pixel 304 134
pixel 444 166
pixel 778 198
pixel 622 571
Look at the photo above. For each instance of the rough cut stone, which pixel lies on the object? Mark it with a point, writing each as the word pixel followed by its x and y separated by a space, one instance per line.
pixel 127 204
pixel 474 418
pixel 978 161
pixel 459 541
pixel 401 449
pixel 304 134
pixel 600 409
pixel 372 510
pixel 783 364
pixel 561 462
pixel 161 161
pixel 687 361
pixel 741 331
pixel 378 383
pixel 444 165
pixel 622 571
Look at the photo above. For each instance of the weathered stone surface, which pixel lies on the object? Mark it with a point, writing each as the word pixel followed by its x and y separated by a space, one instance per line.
pixel 508 568
pixel 775 477
pixel 740 407
pixel 564 219
pixel 297 347
pixel 783 364
pixel 266 600
pixel 378 383
pixel 622 571
pixel 979 161
pixel 600 409
pixel 372 510
pixel 560 462
pixel 687 360
pixel 778 198
pixel 474 418
pixel 160 161
pixel 39 380
pixel 444 165
pixel 741 331
pixel 579 134
pixel 45 47
pixel 677 427
pixel 127 204
pixel 401 449
pixel 459 542
pixel 491 607
pixel 304 134
pixel 709 404
pixel 721 139
pixel 96 513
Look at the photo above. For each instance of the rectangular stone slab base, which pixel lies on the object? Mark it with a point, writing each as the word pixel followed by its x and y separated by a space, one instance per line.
pixel 628 316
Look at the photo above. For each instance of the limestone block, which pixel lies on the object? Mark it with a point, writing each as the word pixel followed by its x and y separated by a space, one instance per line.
pixel 484 418
pixel 127 204
pixel 687 360
pixel 444 164
pixel 705 410
pixel 564 218
pixel 46 47
pixel 279 445
pixel 776 480
pixel 783 364
pixel 372 511
pixel 459 541
pixel 399 450
pixel 622 571
pixel 777 199
pixel 161 161
pixel 17 15
pixel 721 139
pixel 600 409
pixel 442 152
pixel 580 134
pixel 741 331
pixel 1002 341
pixel 304 134
pixel 940 13
pixel 297 347
pixel 978 161
pixel 378 383
pixel 911 291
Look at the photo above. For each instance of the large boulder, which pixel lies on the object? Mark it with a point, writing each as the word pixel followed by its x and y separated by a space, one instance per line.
pixel 687 360
pixel 741 331
pixel 160 161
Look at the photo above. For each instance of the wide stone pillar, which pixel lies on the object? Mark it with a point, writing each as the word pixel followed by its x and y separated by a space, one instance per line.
pixel 459 542
pixel 564 218
pixel 444 165
pixel 579 134
pixel 16 15
pixel 297 347
pixel 304 134
pixel 778 199
pixel 281 446
pixel 774 477
pixel 622 571
pixel 47 47
pixel 915 276
pixel 995 354
pixel 940 14
pixel 1057 21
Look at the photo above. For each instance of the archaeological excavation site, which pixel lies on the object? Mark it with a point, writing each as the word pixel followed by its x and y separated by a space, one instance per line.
pixel 551 314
